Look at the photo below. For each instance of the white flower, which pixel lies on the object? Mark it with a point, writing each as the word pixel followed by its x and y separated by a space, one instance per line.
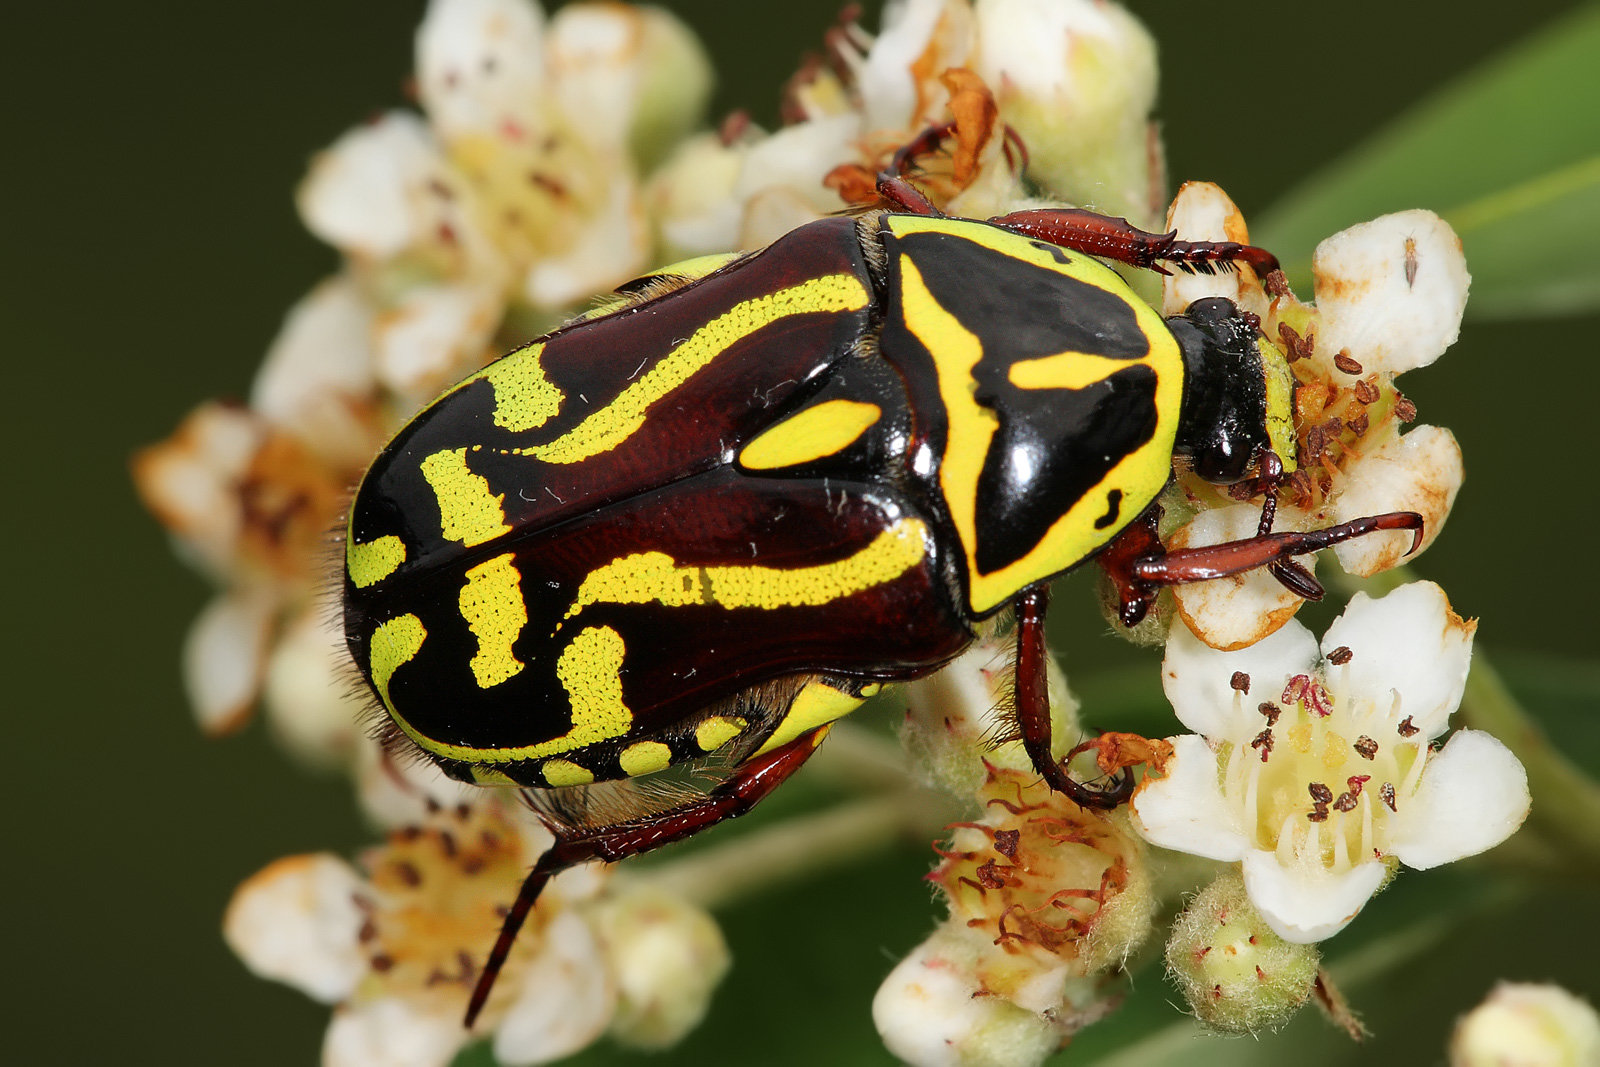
pixel 397 947
pixel 1318 778
pixel 1527 1025
pixel 1389 298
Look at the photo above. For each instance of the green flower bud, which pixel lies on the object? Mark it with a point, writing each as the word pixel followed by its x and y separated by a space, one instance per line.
pixel 1237 975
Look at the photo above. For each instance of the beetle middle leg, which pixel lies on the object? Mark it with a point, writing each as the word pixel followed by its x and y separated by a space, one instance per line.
pixel 746 787
pixel 1033 710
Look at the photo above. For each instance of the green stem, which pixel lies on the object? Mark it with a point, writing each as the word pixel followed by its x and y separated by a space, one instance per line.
pixel 798 848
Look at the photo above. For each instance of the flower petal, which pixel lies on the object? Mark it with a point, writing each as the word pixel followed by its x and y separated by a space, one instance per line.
pixel 612 246
pixel 1391 292
pixel 480 66
pixel 1473 795
pixel 309 702
pixel 1198 679
pixel 391 1032
pixel 224 656
pixel 1409 642
pixel 565 1000
pixel 1184 810
pixel 434 335
pixel 1420 472
pixel 1308 904
pixel 297 922
pixel 1237 611
pixel 1203 212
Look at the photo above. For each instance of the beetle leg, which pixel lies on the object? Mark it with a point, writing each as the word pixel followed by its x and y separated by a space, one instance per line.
pixel 1139 566
pixel 748 785
pixel 1033 709
pixel 1118 239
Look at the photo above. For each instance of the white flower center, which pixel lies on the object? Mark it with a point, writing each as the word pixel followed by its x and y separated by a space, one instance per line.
pixel 1321 781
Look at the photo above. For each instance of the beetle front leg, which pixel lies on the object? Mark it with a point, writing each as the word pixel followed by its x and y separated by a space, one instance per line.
pixel 1033 710
pixel 746 787
pixel 1120 240
pixel 1139 565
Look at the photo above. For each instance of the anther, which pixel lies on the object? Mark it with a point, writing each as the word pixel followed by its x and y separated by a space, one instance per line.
pixel 1240 682
pixel 1346 363
pixel 1263 741
pixel 1271 711
pixel 1340 656
pixel 1366 391
pixel 1386 793
pixel 1366 747
pixel 1407 728
pixel 1005 843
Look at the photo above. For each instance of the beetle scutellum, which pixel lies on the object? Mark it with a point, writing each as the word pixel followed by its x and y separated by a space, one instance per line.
pixel 702 522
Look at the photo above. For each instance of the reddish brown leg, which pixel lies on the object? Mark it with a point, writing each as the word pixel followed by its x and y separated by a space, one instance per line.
pixel 738 794
pixel 1033 709
pixel 1139 566
pixel 1118 239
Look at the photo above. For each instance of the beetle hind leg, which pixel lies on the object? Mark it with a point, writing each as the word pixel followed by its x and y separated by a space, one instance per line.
pixel 1033 711
pixel 746 787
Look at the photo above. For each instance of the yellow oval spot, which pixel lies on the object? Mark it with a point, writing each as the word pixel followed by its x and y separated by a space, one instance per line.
pixel 1065 370
pixel 717 731
pixel 374 561
pixel 644 757
pixel 393 643
pixel 810 434
pixel 468 512
pixel 524 398
pixel 491 603
pixel 560 772
pixel 813 706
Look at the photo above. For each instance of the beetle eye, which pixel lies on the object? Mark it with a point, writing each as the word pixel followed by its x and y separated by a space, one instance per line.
pixel 1223 462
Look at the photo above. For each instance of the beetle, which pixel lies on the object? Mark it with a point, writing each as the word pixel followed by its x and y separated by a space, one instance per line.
pixel 700 523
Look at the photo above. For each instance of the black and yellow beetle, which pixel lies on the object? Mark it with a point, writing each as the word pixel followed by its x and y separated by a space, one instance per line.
pixel 707 519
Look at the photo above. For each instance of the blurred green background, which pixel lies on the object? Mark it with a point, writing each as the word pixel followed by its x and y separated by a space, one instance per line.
pixel 151 250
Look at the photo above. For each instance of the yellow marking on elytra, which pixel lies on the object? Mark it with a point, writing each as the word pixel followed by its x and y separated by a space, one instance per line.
pixel 608 427
pixel 491 602
pixel 393 643
pixel 1064 370
pixel 655 577
pixel 468 512
pixel 370 563
pixel 644 757
pixel 1140 475
pixel 524 398
pixel 561 772
pixel 491 776
pixel 810 434
pixel 813 706
pixel 717 731
pixel 589 669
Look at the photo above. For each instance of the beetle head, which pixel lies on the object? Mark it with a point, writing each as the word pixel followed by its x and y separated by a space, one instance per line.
pixel 1237 392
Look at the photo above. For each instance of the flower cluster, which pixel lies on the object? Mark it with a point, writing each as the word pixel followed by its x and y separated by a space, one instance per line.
pixel 555 157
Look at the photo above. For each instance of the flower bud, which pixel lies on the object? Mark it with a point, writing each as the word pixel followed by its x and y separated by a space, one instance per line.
pixel 667 957
pixel 1237 975
pixel 933 1010
pixel 1527 1025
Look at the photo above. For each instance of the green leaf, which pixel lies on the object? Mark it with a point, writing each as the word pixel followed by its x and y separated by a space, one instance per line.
pixel 1509 155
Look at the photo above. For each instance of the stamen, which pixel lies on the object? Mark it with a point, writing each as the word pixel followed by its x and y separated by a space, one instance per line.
pixel 1340 656
pixel 1240 682
pixel 1366 747
pixel 1263 741
pixel 1317 700
pixel 1406 728
pixel 1271 711
pixel 1387 793
pixel 1295 691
